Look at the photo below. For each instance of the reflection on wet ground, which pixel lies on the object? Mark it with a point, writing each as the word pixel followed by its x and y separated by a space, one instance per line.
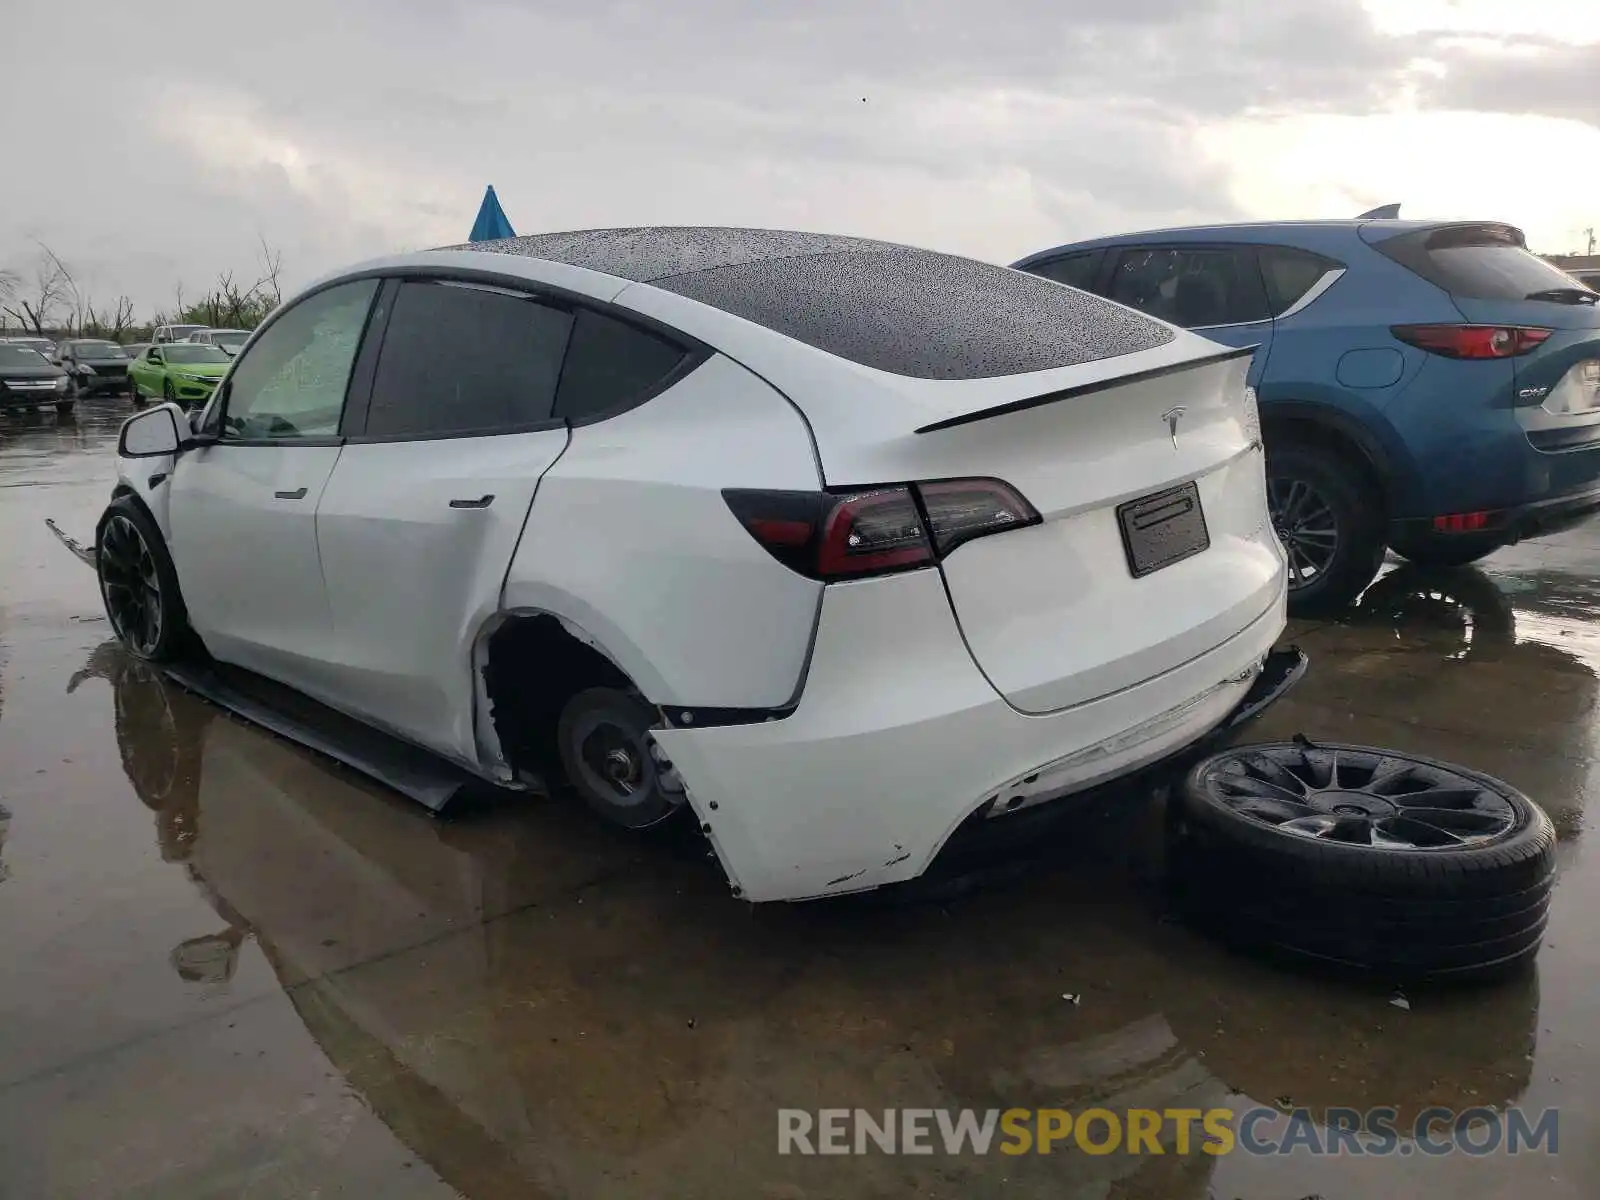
pixel 232 970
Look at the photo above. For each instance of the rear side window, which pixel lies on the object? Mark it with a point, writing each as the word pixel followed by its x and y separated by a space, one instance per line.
pixel 1290 274
pixel 1191 286
pixel 1479 262
pixel 460 360
pixel 611 366
pixel 1076 270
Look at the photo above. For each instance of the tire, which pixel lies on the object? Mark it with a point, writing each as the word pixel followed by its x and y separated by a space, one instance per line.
pixel 1445 551
pixel 603 738
pixel 140 564
pixel 167 394
pixel 1417 913
pixel 1339 493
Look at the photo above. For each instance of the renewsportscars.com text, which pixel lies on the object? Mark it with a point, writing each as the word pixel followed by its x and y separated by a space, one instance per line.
pixel 1217 1131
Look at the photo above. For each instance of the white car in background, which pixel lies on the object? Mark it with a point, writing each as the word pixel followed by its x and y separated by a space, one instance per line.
pixel 231 341
pixel 843 545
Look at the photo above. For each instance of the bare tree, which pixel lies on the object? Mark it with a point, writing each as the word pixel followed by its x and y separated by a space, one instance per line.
pixel 34 304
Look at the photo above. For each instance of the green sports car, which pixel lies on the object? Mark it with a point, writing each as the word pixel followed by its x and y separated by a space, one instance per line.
pixel 181 371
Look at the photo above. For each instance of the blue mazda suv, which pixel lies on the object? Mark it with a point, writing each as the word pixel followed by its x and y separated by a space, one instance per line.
pixel 1429 387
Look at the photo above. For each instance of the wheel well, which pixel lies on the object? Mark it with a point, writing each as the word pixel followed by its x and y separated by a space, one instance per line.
pixel 1325 435
pixel 534 664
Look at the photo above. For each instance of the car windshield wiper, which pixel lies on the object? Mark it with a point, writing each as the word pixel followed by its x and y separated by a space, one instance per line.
pixel 1566 295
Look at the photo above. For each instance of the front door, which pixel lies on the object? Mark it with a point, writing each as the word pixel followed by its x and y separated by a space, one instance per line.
pixel 243 509
pixel 427 503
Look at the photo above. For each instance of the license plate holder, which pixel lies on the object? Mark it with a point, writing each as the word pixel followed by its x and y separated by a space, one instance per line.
pixel 1163 528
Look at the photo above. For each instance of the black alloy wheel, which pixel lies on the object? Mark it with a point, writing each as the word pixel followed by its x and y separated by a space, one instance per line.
pixel 139 584
pixel 1371 861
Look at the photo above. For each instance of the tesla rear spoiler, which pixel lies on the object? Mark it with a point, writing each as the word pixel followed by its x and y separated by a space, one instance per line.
pixel 1087 389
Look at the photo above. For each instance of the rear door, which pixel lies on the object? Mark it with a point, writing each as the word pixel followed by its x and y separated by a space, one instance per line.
pixel 428 501
pixel 1216 291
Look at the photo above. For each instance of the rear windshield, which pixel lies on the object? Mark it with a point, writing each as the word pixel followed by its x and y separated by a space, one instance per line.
pixel 1481 262
pixel 921 314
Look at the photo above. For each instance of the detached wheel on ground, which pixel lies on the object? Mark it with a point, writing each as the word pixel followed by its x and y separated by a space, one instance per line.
pixel 1330 521
pixel 613 762
pixel 1376 863
pixel 139 584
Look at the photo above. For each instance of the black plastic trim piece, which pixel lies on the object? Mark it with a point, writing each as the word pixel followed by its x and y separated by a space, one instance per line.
pixel 678 717
pixel 410 770
pixel 1088 389
pixel 981 836
pixel 1564 438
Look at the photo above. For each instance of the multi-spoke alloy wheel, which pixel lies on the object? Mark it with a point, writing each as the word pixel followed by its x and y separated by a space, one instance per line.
pixel 1306 526
pixel 1360 797
pixel 1374 861
pixel 131 585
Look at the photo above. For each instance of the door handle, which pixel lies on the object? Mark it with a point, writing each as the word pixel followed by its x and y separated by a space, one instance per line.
pixel 297 494
pixel 480 502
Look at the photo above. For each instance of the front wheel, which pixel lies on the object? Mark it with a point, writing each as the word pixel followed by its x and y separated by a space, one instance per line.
pixel 612 761
pixel 139 584
pixel 1329 521
pixel 167 394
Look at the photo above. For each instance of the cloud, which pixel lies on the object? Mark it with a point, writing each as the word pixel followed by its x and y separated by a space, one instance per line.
pixel 341 131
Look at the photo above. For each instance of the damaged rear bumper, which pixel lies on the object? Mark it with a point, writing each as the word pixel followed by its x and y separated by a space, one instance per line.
pixel 900 746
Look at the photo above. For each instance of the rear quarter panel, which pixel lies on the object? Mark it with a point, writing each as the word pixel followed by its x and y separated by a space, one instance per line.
pixel 631 540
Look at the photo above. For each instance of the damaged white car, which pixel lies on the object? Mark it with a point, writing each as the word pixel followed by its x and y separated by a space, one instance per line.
pixel 849 548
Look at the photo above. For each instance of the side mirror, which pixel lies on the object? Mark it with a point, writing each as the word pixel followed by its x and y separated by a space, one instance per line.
pixel 151 434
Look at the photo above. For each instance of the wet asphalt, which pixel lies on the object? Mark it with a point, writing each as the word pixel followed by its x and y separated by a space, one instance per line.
pixel 228 968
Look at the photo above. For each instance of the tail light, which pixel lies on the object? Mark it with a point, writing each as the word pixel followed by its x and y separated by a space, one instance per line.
pixel 1472 341
pixel 876 531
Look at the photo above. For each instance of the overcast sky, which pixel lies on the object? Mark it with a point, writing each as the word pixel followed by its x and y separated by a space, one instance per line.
pixel 149 145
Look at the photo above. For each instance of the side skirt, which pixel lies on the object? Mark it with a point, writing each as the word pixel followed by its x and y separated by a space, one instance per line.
pixel 410 770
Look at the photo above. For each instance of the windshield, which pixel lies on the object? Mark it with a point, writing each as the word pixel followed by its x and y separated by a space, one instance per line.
pixel 39 344
pixel 96 349
pixel 195 352
pixel 22 357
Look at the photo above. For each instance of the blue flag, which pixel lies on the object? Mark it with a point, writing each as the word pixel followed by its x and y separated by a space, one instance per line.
pixel 491 223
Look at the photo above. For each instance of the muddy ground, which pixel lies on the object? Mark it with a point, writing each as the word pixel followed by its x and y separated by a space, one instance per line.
pixel 228 968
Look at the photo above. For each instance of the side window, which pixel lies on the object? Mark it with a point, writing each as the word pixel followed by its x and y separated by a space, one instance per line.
pixel 1291 273
pixel 292 382
pixel 1191 287
pixel 1076 270
pixel 461 359
pixel 611 366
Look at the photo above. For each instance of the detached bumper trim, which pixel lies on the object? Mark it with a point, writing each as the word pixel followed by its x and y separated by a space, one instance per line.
pixel 981 837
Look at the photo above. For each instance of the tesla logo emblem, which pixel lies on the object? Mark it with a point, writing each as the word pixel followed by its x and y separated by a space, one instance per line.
pixel 1172 416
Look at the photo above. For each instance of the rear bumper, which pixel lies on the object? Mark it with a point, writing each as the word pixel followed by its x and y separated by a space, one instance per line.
pixel 899 742
pixel 1507 525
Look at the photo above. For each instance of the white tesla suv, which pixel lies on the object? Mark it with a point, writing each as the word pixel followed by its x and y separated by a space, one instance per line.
pixel 841 544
